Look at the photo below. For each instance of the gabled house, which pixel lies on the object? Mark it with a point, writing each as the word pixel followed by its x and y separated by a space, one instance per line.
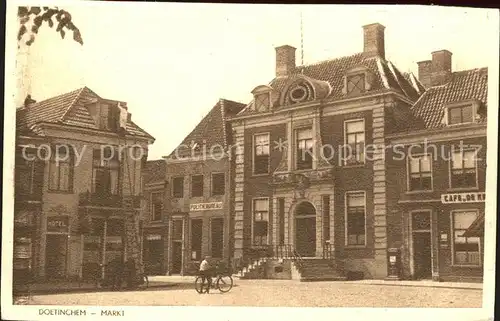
pixel 438 188
pixel 199 207
pixel 305 181
pixel 77 184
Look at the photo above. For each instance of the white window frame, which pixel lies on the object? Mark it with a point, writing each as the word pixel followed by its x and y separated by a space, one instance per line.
pixel 408 172
pixel 345 163
pixel 202 185
pixel 183 187
pixel 253 154
pixel 212 184
pixel 346 238
pixel 450 161
pixel 452 237
pixel 268 220
pixel 296 141
pixel 151 206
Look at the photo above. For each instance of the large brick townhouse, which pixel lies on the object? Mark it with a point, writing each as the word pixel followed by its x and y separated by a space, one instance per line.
pixel 74 184
pixel 437 192
pixel 302 178
pixel 197 210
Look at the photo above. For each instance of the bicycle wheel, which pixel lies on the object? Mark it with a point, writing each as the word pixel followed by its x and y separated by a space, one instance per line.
pixel 198 284
pixel 225 283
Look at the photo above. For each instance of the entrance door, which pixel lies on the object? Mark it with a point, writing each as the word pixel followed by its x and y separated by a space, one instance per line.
pixel 196 239
pixel 176 257
pixel 305 229
pixel 154 257
pixel 422 259
pixel 217 236
pixel 55 256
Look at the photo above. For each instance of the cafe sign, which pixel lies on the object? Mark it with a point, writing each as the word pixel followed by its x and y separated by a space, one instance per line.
pixel 57 224
pixel 205 206
pixel 455 198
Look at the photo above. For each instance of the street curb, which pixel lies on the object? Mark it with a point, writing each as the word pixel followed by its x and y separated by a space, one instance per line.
pixel 420 285
pixel 93 289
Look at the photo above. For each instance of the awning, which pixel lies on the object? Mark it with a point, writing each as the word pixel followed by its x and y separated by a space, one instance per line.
pixel 476 229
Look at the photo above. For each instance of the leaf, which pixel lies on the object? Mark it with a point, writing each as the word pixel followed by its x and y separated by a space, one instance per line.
pixel 45 8
pixel 22 31
pixel 77 36
pixel 34 29
pixel 38 21
pixel 62 33
pixel 31 40
pixel 58 15
pixel 59 26
pixel 51 23
pixel 22 11
pixel 35 10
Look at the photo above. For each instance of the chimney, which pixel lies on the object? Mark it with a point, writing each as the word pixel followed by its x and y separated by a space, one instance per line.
pixel 441 67
pixel 437 71
pixel 285 60
pixel 374 40
pixel 28 101
pixel 424 73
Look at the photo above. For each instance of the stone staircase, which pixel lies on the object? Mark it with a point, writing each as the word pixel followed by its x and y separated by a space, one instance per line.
pixel 254 270
pixel 319 269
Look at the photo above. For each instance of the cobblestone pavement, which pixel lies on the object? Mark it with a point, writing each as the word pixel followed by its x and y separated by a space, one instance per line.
pixel 273 293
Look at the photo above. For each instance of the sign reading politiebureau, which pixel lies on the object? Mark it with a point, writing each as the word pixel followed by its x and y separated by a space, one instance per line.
pixel 205 206
pixel 453 198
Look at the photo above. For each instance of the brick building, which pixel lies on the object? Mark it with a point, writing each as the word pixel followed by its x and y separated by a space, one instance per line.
pixel 317 169
pixel 437 191
pixel 319 193
pixel 198 193
pixel 154 241
pixel 74 182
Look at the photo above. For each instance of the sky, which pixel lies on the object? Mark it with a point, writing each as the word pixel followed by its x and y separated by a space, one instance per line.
pixel 171 62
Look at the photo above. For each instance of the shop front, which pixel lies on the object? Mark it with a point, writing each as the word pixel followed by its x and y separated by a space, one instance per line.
pixel 154 250
pixel 102 243
pixel 436 245
pixel 56 247
pixel 24 264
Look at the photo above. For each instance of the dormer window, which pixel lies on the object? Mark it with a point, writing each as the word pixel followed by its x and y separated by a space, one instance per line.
pixel 262 96
pixel 463 112
pixel 357 81
pixel 460 115
pixel 356 84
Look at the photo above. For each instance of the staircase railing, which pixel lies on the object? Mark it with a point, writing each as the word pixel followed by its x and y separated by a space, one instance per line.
pixel 328 251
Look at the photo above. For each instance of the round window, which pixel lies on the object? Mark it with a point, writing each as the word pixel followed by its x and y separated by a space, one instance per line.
pixel 298 93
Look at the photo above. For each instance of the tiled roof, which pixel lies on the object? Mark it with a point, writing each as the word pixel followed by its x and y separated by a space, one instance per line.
pixel 212 130
pixel 463 85
pixel 68 109
pixel 386 77
pixel 154 171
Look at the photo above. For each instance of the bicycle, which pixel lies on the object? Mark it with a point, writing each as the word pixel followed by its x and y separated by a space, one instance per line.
pixel 223 282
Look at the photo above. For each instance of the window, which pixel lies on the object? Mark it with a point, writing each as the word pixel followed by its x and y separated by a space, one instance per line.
pixel 218 184
pixel 109 117
pixel 463 169
pixel 262 102
pixel 261 154
pixel 260 221
pixel 61 169
pixel 326 218
pixel 178 187
pixel 465 249
pixel 356 84
pixel 420 175
pixel 25 173
pixel 460 115
pixel 106 172
pixel 354 142
pixel 304 148
pixel 196 185
pixel 156 206
pixel 177 230
pixel 355 217
pixel 281 218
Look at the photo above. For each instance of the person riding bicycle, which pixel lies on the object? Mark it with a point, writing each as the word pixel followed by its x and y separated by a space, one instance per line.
pixel 206 272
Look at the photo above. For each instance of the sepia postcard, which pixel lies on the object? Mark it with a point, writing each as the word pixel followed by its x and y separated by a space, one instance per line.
pixel 241 161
